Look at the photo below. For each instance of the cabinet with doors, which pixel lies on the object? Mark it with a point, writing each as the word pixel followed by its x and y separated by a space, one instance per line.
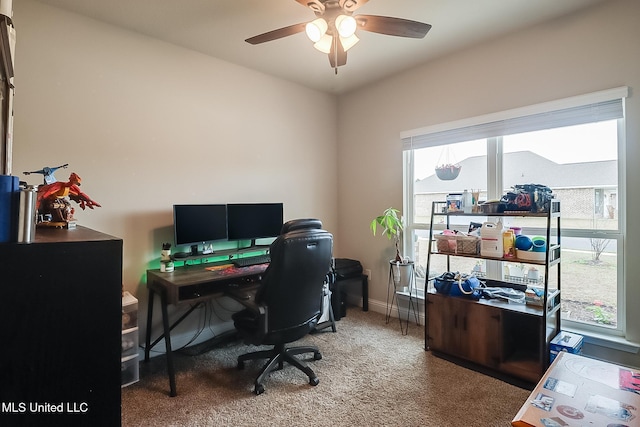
pixel 498 335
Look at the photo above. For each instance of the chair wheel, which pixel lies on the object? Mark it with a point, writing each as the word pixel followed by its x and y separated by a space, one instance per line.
pixel 259 389
pixel 314 381
pixel 317 356
pixel 240 365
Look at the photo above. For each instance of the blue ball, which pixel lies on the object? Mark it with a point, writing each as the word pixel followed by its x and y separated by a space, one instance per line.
pixel 523 243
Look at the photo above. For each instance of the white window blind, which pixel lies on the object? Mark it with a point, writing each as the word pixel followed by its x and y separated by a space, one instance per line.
pixel 594 107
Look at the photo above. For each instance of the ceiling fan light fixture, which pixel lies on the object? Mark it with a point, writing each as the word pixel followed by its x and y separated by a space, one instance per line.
pixel 349 42
pixel 346 25
pixel 316 29
pixel 333 29
pixel 324 44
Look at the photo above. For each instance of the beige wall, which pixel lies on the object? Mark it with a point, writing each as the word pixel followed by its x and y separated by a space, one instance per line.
pixel 147 124
pixel 586 52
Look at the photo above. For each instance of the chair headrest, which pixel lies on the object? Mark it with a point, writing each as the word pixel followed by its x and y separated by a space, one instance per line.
pixel 301 224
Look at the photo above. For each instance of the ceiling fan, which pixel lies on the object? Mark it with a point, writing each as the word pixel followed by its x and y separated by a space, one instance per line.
pixel 333 30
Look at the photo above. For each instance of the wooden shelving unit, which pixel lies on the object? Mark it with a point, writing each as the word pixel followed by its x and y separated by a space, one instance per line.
pixel 494 334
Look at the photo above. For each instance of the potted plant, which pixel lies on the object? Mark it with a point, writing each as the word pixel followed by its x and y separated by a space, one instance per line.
pixel 392 226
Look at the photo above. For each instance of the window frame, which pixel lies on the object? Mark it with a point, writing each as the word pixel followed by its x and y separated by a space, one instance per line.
pixel 494 185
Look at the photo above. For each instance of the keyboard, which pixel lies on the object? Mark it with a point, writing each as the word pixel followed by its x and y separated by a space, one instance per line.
pixel 253 260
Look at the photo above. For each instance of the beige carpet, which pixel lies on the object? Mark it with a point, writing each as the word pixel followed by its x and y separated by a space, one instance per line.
pixel 370 375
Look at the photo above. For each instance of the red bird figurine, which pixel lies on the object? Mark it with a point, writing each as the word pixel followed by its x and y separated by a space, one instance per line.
pixel 52 198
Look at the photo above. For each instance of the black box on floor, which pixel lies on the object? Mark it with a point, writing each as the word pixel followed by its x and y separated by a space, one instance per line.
pixel 338 302
pixel 346 268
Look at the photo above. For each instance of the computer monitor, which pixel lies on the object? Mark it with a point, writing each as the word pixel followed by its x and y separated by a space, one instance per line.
pixel 250 221
pixel 195 224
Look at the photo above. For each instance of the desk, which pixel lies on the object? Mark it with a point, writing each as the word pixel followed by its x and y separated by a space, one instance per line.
pixel 192 285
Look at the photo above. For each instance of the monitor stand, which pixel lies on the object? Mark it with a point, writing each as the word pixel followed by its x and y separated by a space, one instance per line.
pixel 194 250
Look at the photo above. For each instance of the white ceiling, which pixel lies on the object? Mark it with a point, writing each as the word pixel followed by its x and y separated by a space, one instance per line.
pixel 219 27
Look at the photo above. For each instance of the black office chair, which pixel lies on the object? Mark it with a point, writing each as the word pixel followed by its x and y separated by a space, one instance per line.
pixel 288 302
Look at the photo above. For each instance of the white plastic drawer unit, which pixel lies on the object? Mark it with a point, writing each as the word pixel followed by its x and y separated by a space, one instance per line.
pixel 129 311
pixel 129 357
pixel 129 373
pixel 129 342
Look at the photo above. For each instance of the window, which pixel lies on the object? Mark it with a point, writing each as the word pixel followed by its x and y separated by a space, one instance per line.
pixel 571 146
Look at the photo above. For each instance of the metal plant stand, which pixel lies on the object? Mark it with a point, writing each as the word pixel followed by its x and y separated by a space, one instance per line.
pixel 396 287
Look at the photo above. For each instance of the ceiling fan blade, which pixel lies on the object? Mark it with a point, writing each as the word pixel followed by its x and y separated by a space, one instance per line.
pixel 277 34
pixel 337 54
pixel 393 26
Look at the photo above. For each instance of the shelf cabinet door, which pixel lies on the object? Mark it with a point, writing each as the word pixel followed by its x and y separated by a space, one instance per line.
pixel 481 338
pixel 464 328
pixel 443 334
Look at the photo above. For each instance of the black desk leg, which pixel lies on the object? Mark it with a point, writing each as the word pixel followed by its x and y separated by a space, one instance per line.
pixel 147 344
pixel 167 342
pixel 365 292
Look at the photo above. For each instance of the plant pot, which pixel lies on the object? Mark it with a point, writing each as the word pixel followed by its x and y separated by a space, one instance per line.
pixel 448 172
pixel 401 274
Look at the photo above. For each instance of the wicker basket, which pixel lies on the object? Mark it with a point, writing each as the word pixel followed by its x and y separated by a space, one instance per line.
pixel 468 245
pixel 457 244
pixel 446 243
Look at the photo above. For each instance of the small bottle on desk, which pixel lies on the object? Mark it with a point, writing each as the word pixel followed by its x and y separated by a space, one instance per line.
pixel 166 263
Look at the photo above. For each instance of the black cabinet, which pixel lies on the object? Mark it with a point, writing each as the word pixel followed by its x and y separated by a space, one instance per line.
pixel 61 329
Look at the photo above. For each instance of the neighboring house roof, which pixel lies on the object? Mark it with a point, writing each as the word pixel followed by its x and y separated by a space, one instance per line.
pixel 530 168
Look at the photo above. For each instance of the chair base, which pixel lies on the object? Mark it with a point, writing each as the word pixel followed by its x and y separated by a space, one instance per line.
pixel 277 356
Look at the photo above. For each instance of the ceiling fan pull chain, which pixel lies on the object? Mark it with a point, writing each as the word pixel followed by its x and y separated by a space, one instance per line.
pixel 335 54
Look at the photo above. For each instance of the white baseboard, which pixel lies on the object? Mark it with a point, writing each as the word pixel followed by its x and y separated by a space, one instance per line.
pixel 381 306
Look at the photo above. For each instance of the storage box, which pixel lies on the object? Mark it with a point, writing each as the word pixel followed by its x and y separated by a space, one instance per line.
pixel 458 244
pixel 129 370
pixel 129 311
pixel 454 202
pixel 565 341
pixel 129 342
pixel 534 296
pixel 468 245
pixel 446 243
